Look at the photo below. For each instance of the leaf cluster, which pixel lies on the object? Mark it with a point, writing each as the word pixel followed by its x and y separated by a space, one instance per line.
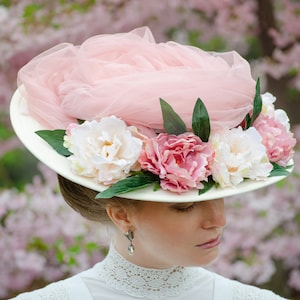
pixel 173 125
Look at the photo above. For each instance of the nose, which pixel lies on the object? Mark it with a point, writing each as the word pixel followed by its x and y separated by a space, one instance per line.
pixel 214 214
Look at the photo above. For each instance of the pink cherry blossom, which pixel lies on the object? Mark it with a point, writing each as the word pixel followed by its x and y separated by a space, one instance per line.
pixel 294 279
pixel 276 210
pixel 278 141
pixel 181 162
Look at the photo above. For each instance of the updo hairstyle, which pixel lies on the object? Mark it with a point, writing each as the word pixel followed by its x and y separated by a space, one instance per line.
pixel 82 200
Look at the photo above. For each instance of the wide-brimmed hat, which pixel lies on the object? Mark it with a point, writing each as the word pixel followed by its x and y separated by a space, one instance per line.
pixel 129 117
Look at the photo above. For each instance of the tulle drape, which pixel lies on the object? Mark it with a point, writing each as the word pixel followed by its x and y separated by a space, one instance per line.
pixel 126 74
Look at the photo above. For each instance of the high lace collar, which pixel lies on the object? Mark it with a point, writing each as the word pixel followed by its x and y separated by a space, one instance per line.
pixel 122 275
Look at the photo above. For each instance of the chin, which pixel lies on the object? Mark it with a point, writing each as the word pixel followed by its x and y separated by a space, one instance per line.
pixel 211 262
pixel 205 261
pixel 200 263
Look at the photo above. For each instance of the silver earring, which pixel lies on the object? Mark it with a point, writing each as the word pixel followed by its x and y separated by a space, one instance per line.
pixel 129 235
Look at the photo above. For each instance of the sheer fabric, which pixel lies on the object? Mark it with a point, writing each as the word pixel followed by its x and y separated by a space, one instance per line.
pixel 126 74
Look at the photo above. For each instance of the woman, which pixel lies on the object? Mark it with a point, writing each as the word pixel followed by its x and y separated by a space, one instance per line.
pixel 149 138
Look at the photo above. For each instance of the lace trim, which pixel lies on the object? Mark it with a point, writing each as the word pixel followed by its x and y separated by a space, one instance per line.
pixel 137 281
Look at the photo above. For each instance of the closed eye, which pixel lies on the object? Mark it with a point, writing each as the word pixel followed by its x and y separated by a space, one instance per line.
pixel 185 208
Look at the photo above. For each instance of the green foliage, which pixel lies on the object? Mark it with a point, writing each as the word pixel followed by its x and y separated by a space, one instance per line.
pixel 31 10
pixel 297 219
pixel 216 43
pixel 55 138
pixel 81 7
pixel 137 181
pixel 6 131
pixel 254 48
pixel 279 171
pixel 6 3
pixel 207 185
pixel 17 168
pixel 173 124
pixel 44 14
pixel 257 106
pixel 35 15
pixel 200 121
pixel 66 254
pixel 37 244
pixel 91 246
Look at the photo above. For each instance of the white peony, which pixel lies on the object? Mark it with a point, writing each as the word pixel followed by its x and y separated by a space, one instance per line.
pixel 282 117
pixel 239 154
pixel 107 150
pixel 268 101
pixel 268 109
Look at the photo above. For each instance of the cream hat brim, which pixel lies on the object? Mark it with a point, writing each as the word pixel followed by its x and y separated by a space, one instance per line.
pixel 25 127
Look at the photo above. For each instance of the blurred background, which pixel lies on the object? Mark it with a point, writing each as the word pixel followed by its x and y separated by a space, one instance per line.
pixel 43 240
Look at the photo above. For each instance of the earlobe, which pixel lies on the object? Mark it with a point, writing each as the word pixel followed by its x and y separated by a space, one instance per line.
pixel 120 217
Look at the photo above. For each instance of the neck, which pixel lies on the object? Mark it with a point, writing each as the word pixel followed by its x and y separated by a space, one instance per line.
pixel 138 258
pixel 121 274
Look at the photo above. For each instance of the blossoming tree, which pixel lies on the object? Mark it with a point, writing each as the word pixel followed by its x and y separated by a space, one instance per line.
pixel 266 32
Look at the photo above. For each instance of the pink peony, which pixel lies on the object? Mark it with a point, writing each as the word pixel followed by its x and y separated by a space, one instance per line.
pixel 181 162
pixel 276 138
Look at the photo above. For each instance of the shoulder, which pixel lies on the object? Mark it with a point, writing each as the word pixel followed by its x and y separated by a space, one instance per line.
pixel 52 291
pixel 240 291
pixel 227 289
pixel 68 289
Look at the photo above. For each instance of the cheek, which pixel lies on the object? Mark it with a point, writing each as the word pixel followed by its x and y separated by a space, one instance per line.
pixel 170 231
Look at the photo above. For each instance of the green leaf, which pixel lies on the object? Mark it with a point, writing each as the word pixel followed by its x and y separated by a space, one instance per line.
pixel 257 104
pixel 200 121
pixel 72 261
pixel 37 244
pixel 31 10
pixel 247 121
pixel 60 256
pixel 75 249
pixel 55 138
pixel 173 124
pixel 279 170
pixel 156 186
pixel 132 183
pixel 207 185
pixel 91 246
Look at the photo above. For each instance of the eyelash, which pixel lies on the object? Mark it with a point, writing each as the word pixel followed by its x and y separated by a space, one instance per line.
pixel 186 209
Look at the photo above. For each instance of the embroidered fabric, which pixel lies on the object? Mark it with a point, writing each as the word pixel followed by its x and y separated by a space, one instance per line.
pixel 137 281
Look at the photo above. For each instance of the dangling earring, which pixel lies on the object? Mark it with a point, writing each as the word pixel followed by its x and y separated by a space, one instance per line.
pixel 130 237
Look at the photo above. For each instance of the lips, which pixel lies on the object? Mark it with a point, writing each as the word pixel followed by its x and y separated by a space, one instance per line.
pixel 211 243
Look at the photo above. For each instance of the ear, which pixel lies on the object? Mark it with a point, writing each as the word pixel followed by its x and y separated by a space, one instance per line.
pixel 120 217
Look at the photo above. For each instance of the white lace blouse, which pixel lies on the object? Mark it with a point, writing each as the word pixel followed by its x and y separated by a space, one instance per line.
pixel 116 278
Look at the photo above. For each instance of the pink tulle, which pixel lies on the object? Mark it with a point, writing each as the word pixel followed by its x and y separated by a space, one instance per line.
pixel 125 75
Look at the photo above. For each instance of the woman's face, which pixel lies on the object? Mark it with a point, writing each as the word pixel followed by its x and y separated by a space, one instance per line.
pixel 177 234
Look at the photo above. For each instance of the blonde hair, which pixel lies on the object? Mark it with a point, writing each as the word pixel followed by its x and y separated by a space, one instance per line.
pixel 82 200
